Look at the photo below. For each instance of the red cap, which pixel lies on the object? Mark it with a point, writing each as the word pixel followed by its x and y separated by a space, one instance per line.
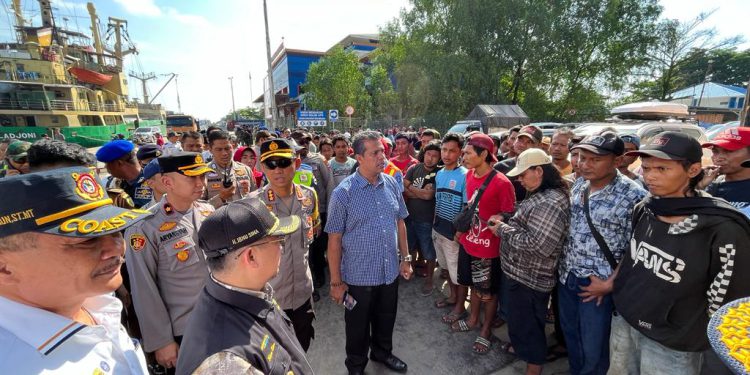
pixel 731 139
pixel 484 141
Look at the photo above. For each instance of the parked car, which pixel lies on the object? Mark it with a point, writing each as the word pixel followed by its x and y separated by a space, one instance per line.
pixel 716 129
pixel 146 134
pixel 549 128
pixel 465 126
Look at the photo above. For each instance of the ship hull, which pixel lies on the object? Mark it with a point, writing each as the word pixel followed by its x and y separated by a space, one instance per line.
pixel 86 136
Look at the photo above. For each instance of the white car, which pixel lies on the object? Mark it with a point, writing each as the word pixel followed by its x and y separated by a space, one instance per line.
pixel 146 134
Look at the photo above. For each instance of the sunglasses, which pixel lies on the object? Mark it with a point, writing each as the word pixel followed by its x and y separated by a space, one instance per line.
pixel 21 160
pixel 278 163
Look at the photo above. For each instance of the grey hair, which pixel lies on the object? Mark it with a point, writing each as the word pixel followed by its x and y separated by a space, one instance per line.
pixel 18 241
pixel 358 142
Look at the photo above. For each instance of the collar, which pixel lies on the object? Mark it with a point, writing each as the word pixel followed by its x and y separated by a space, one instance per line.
pixel 165 208
pixel 607 189
pixel 45 330
pixel 265 294
pixel 360 181
pixel 259 307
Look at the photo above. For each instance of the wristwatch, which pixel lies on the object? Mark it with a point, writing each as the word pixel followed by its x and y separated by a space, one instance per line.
pixel 405 258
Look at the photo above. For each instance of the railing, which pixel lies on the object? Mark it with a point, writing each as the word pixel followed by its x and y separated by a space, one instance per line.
pixel 57 105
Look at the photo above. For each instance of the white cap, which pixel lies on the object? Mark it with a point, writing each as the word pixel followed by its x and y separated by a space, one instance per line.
pixel 530 158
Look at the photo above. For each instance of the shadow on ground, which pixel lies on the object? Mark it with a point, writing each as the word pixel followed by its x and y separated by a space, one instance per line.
pixel 420 339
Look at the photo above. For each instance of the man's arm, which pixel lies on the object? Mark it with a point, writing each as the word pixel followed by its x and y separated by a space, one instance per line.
pixel 426 193
pixel 334 266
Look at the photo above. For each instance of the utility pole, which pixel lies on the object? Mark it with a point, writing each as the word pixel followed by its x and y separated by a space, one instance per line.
pixel 746 107
pixel 143 77
pixel 179 106
pixel 272 103
pixel 250 77
pixel 706 78
pixel 231 88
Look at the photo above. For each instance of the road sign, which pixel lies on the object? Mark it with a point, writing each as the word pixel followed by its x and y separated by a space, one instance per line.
pixel 349 110
pixel 333 115
pixel 311 118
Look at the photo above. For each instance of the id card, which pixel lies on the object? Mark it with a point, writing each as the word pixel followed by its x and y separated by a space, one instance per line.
pixel 349 301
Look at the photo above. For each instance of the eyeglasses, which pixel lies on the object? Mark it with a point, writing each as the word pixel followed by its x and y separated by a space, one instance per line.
pixel 280 241
pixel 278 163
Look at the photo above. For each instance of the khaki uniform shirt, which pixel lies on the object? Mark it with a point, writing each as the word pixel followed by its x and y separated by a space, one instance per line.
pixel 239 174
pixel 167 270
pixel 325 184
pixel 293 284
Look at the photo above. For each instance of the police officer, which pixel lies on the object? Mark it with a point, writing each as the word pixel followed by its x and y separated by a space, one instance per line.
pixel 60 256
pixel 125 172
pixel 229 180
pixel 237 327
pixel 293 284
pixel 167 267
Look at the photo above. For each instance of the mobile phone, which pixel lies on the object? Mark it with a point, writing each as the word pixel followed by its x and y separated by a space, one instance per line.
pixel 349 301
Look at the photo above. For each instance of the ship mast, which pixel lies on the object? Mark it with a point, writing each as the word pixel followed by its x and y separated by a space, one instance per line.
pixel 95 33
pixel 119 25
pixel 20 21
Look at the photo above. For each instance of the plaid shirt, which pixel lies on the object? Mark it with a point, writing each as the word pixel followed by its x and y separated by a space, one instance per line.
pixel 533 239
pixel 367 215
pixel 611 212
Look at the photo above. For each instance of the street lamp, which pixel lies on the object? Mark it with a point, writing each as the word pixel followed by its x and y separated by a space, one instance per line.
pixel 231 88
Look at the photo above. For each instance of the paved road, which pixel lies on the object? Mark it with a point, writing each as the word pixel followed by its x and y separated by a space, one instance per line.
pixel 420 339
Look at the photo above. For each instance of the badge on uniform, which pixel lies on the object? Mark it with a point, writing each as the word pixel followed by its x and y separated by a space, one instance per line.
pixel 167 225
pixel 168 209
pixel 245 186
pixel 307 202
pixel 143 192
pixel 180 244
pixel 205 213
pixel 87 187
pixel 216 186
pixel 273 146
pixel 270 195
pixel 137 242
pixel 198 159
pixel 183 255
pixel 239 171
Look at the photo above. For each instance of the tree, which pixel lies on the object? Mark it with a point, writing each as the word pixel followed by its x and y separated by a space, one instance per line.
pixel 247 113
pixel 335 81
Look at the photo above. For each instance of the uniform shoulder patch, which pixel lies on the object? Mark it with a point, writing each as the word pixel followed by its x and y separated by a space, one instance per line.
pixel 137 242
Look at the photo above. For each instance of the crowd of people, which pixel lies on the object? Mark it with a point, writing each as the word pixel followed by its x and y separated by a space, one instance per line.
pixel 628 247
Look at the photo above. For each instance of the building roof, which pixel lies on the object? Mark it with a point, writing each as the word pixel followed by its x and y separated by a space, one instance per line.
pixel 711 90
pixel 499 115
pixel 283 51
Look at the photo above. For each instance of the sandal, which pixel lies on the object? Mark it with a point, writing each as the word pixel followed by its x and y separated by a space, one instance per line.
pixel 460 326
pixel 427 291
pixel 481 345
pixel 451 317
pixel 441 303
pixel 507 347
pixel 554 353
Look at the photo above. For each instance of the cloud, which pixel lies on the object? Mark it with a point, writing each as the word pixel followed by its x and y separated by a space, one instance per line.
pixel 187 19
pixel 140 7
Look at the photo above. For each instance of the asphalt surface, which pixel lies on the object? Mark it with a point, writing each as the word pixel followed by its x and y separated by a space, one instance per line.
pixel 420 339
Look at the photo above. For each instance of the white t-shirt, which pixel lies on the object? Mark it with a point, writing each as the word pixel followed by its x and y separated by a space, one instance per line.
pixel 35 341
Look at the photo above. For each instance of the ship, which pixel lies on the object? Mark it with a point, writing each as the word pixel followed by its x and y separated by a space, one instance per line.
pixel 54 78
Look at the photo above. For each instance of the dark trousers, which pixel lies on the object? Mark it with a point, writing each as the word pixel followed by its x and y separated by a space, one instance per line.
pixel 527 310
pixel 370 324
pixel 318 255
pixel 302 318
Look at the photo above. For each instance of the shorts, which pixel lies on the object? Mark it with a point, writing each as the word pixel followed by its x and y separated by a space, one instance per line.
pixel 419 236
pixel 479 273
pixel 447 254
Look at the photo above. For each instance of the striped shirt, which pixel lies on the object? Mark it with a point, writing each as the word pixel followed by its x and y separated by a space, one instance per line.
pixel 367 215
pixel 450 190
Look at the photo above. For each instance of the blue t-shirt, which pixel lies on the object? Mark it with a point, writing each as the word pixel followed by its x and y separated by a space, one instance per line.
pixel 450 189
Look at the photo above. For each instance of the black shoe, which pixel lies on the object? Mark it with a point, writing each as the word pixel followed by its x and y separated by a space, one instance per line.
pixel 392 362
pixel 316 296
pixel 356 372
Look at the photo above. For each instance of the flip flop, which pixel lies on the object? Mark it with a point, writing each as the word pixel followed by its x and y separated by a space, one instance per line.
pixel 451 317
pixel 441 303
pixel 427 292
pixel 460 326
pixel 481 345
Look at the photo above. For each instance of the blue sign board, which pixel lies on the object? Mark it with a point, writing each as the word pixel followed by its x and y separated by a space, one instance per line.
pixel 333 115
pixel 311 118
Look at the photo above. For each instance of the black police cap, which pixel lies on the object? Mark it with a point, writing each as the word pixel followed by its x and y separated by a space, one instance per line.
pixel 276 147
pixel 148 151
pixel 186 163
pixel 65 201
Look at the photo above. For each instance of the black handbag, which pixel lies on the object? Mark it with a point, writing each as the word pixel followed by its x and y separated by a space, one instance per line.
pixel 597 236
pixel 462 222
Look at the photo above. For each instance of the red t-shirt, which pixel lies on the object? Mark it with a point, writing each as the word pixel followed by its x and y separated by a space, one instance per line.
pixel 499 196
pixel 404 165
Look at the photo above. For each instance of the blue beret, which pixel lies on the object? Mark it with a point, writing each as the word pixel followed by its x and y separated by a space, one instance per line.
pixel 114 150
pixel 151 169
pixel 64 201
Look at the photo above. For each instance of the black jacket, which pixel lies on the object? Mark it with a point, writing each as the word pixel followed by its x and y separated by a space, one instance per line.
pixel 251 328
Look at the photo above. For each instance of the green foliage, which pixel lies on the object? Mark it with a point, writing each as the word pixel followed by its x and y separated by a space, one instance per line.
pixel 336 81
pixel 248 113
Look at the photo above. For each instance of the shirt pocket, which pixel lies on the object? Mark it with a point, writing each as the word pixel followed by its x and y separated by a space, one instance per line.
pixel 181 252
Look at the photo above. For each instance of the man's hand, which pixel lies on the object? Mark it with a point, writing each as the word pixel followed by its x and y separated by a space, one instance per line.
pixel 337 291
pixel 597 290
pixel 406 270
pixel 711 172
pixel 227 193
pixel 493 224
pixel 167 355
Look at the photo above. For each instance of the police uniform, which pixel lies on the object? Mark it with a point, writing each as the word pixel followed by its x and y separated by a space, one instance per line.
pixel 34 340
pixel 240 175
pixel 235 330
pixel 167 267
pixel 137 189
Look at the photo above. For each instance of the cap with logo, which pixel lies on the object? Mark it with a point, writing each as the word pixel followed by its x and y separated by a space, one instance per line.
pixel 64 201
pixel 484 141
pixel 607 143
pixel 17 150
pixel 530 158
pixel 241 223
pixel 185 163
pixel 729 334
pixel 277 147
pixel 151 169
pixel 671 146
pixel 148 151
pixel 632 139
pixel 731 139
pixel 114 150
pixel 532 132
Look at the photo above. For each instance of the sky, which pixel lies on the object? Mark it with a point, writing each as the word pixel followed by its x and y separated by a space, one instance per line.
pixel 205 42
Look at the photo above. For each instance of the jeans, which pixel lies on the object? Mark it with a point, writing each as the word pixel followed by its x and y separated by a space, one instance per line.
pixel 586 328
pixel 419 236
pixel 634 353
